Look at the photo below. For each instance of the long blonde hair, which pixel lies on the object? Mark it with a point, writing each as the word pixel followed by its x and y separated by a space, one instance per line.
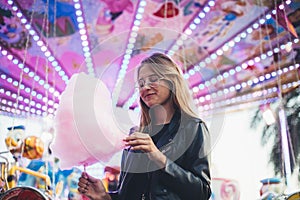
pixel 165 67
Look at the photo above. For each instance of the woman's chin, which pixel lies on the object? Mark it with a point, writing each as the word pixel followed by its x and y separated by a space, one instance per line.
pixel 153 105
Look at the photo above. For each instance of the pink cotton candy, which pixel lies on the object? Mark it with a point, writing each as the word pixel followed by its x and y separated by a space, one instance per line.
pixel 87 126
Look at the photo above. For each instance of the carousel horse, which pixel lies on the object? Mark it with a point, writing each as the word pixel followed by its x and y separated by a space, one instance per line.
pixel 65 181
pixel 30 147
pixel 35 180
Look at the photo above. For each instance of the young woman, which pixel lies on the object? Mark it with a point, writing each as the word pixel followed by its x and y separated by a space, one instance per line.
pixel 168 154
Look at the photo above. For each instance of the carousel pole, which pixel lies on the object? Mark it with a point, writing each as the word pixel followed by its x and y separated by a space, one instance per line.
pixel 285 145
pixel 284 133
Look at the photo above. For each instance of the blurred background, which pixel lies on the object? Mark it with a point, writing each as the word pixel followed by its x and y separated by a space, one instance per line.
pixel 239 58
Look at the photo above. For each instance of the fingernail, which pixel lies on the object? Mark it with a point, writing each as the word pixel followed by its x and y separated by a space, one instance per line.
pixel 84 175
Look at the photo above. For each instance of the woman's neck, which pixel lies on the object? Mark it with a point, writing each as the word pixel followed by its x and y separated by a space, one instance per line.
pixel 161 114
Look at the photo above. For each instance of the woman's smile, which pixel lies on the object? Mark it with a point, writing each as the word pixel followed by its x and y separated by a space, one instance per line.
pixel 150 95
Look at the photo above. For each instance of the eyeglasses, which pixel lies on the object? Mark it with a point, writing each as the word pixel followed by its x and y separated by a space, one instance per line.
pixel 152 81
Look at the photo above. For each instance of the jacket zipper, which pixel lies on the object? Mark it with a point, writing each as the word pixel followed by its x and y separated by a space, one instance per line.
pixel 171 142
pixel 143 197
pixel 162 147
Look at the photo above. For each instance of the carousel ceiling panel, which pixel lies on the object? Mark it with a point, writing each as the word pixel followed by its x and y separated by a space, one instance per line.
pixel 228 49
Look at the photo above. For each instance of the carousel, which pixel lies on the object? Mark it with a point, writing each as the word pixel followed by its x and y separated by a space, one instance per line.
pixel 70 65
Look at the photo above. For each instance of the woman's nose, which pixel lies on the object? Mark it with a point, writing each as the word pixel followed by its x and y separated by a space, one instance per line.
pixel 147 86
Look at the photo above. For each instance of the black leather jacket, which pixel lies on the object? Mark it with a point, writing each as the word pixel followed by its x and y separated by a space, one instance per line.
pixel 186 175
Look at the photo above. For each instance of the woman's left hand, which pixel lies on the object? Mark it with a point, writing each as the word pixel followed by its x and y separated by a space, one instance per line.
pixel 143 142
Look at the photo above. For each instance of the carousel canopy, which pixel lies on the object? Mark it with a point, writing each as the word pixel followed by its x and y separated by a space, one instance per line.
pixel 231 51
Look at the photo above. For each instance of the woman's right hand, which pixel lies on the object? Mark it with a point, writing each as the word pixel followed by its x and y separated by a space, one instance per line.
pixel 92 187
